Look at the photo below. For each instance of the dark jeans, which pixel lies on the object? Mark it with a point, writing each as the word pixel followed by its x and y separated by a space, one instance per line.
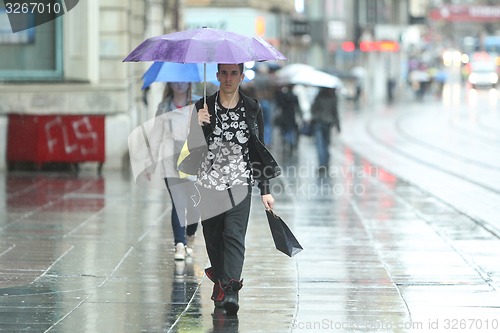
pixel 185 216
pixel 225 239
pixel 322 133
pixel 267 113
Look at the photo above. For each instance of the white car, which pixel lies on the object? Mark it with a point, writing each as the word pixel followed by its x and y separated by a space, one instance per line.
pixel 483 75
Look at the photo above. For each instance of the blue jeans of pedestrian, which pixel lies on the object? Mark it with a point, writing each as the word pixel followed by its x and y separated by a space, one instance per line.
pixel 322 134
pixel 268 121
pixel 184 216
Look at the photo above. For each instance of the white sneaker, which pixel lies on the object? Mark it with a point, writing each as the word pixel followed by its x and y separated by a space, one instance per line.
pixel 180 251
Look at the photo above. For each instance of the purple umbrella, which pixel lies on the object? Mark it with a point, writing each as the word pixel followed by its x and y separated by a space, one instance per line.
pixel 204 45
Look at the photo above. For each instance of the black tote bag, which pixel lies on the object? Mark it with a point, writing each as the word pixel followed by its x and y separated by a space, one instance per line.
pixel 284 239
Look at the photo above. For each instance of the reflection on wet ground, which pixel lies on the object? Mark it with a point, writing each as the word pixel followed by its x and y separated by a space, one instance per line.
pixel 94 254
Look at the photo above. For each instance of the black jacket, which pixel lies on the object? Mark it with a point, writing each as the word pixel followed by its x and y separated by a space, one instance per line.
pixel 264 166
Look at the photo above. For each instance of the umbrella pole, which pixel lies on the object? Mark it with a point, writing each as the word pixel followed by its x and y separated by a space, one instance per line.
pixel 204 83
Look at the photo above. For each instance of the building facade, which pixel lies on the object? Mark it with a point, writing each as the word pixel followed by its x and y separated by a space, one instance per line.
pixel 72 66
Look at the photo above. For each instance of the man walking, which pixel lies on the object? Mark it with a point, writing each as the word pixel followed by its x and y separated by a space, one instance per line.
pixel 231 159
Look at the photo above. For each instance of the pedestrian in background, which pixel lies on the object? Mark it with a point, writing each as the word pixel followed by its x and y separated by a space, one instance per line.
pixel 288 112
pixel 324 116
pixel 170 132
pixel 264 85
pixel 231 159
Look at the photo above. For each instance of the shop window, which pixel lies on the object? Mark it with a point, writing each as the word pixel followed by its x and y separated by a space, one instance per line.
pixel 30 55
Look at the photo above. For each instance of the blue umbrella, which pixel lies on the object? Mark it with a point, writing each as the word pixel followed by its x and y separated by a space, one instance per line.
pixel 177 72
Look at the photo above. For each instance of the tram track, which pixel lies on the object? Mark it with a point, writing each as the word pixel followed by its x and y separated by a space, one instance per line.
pixel 394 144
pixel 457 229
pixel 372 133
pixel 489 134
pixel 444 151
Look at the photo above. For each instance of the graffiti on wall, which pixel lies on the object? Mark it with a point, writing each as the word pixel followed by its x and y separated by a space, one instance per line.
pixel 75 135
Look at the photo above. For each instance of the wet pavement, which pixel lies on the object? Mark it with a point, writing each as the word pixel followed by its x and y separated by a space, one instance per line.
pixel 402 235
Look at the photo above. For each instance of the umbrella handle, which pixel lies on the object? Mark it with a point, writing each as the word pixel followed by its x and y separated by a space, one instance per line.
pixel 204 83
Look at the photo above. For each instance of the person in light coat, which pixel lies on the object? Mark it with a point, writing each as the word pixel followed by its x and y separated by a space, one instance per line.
pixel 170 131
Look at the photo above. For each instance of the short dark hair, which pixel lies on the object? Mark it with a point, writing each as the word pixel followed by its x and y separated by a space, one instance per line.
pixel 241 67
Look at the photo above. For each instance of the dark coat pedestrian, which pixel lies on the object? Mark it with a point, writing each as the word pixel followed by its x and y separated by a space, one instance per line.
pixel 288 112
pixel 324 116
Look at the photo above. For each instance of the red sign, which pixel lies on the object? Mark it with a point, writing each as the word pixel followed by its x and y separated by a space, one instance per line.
pixel 380 46
pixel 460 13
pixel 388 46
pixel 348 47
pixel 368 46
